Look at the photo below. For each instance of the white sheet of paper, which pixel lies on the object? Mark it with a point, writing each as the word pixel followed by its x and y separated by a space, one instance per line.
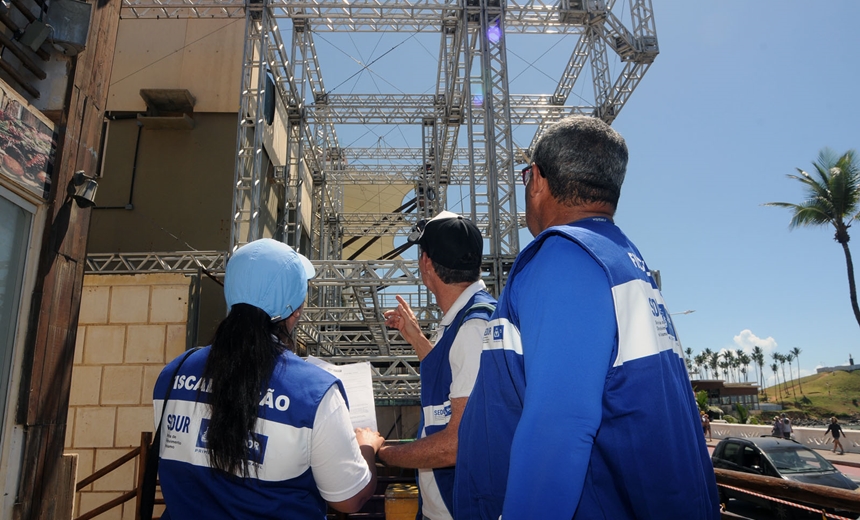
pixel 358 383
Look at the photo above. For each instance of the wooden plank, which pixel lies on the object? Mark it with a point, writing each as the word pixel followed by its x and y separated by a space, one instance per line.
pixel 65 504
pixel 24 10
pixel 19 79
pixel 823 496
pixel 21 55
pixel 145 442
pixel 53 325
pixel 8 22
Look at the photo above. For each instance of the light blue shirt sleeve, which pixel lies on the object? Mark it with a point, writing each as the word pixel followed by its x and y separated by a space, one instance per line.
pixel 568 328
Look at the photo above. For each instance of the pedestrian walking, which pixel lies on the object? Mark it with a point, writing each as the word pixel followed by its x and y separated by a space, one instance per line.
pixel 776 430
pixel 786 427
pixel 706 425
pixel 835 429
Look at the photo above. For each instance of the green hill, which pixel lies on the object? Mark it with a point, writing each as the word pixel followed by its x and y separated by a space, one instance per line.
pixel 824 395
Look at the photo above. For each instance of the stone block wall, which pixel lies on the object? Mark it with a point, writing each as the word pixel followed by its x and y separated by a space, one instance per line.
pixel 130 326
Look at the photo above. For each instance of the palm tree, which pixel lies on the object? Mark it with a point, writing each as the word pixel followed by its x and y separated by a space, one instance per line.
pixel 744 360
pixel 736 365
pixel 833 197
pixel 776 356
pixel 729 358
pixel 706 358
pixel 699 360
pixel 688 359
pixel 781 360
pixel 774 367
pixel 789 358
pixel 713 363
pixel 758 357
pixel 796 351
pixel 739 353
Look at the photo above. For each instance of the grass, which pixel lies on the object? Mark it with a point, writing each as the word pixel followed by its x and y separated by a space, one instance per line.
pixel 824 395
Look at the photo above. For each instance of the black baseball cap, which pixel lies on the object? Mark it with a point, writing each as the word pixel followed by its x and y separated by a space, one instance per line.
pixel 449 240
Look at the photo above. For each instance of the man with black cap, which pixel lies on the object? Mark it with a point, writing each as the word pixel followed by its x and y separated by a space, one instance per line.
pixel 450 265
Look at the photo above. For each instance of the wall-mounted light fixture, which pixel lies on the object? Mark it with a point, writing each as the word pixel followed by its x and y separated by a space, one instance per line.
pixel 85 189
pixel 69 21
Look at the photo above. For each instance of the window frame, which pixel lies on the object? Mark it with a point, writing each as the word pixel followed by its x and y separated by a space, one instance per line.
pixel 12 433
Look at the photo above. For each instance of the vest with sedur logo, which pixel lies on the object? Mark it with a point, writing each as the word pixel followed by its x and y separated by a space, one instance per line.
pixel 279 447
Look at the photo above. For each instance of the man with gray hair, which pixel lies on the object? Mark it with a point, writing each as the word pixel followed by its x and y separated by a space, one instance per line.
pixel 583 407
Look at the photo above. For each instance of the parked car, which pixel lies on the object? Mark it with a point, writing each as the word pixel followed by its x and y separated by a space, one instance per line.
pixel 781 458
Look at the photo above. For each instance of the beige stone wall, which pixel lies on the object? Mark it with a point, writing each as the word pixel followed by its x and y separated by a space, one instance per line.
pixel 130 326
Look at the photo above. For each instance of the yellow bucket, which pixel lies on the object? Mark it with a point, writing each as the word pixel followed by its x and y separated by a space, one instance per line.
pixel 401 502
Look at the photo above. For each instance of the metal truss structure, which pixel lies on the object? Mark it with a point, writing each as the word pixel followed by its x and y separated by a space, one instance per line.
pixel 615 44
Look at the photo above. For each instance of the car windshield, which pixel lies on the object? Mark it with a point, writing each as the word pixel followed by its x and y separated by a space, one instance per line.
pixel 797 459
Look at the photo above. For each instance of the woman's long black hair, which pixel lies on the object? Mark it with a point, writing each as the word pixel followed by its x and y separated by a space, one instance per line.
pixel 243 355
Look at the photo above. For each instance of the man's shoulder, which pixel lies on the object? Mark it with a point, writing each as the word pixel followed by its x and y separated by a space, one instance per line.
pixel 557 248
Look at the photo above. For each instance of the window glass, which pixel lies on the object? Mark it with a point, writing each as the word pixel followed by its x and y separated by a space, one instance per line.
pixel 751 457
pixel 730 452
pixel 797 459
pixel 14 234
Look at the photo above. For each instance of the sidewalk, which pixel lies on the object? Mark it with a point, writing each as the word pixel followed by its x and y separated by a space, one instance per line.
pixel 848 459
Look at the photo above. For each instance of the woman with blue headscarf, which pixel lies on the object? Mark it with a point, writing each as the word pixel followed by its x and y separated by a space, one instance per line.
pixel 249 429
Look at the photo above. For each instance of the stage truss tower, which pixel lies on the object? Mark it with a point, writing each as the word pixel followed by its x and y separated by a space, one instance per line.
pixel 343 320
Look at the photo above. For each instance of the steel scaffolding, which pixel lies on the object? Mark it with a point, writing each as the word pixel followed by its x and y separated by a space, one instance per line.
pixel 616 39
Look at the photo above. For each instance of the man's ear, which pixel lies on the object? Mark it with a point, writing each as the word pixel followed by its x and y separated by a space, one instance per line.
pixel 538 181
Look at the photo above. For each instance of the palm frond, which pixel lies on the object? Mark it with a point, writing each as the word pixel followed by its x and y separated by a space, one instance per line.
pixel 832 191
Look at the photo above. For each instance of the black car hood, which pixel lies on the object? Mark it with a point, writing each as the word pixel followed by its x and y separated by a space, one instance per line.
pixel 832 479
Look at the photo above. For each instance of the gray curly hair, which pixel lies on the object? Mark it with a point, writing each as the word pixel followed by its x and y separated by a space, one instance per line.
pixel 583 159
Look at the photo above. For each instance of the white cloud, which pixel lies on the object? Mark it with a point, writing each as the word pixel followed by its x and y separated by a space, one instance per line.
pixel 747 340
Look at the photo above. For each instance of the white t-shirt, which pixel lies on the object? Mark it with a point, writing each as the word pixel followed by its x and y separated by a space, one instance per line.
pixel 339 469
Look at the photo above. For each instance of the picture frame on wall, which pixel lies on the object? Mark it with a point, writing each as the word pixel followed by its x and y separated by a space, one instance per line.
pixel 28 143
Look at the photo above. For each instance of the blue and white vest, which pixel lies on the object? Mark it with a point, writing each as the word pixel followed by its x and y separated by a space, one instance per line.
pixel 436 379
pixel 649 421
pixel 281 484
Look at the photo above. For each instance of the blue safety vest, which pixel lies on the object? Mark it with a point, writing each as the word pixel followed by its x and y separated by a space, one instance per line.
pixel 649 424
pixel 281 484
pixel 436 379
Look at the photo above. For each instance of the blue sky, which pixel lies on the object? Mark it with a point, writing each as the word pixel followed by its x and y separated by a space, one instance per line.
pixel 741 94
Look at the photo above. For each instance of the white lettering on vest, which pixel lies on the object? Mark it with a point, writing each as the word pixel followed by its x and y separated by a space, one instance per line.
pixel 280 402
